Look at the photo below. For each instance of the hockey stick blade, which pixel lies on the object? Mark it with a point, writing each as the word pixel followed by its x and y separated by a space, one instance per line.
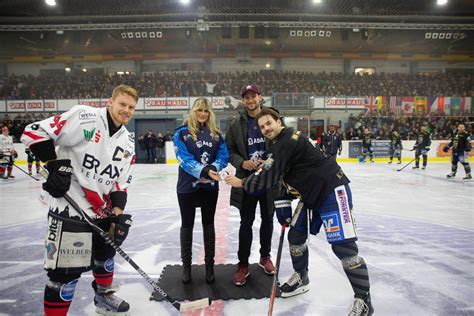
pixel 193 305
pixel 406 165
pixel 29 175
pixel 187 306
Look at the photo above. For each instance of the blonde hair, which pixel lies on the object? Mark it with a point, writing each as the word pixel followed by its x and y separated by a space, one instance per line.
pixel 193 123
pixel 125 90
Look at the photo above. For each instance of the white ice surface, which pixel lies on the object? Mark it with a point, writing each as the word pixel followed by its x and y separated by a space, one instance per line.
pixel 416 232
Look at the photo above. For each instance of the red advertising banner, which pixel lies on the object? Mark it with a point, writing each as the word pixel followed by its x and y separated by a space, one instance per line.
pixel 31 105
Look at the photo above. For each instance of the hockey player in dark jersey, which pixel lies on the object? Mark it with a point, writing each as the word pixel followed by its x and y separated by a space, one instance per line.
pixel 202 153
pixel 367 145
pixel 31 158
pixel 324 189
pixel 396 147
pixel 461 145
pixel 422 146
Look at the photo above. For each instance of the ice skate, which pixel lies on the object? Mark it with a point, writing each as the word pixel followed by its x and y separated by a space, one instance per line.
pixel 451 175
pixel 297 284
pixel 107 303
pixel 361 307
pixel 468 176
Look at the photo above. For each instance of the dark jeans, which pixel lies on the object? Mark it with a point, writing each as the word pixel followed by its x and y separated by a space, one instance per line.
pixel 151 154
pixel 188 202
pixel 247 217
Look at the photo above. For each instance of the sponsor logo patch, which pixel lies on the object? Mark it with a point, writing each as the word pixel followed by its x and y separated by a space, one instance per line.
pixel 67 291
pixel 88 134
pixel 83 115
pixel 51 250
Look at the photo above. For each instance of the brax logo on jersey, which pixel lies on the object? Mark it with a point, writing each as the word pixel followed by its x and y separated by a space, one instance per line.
pixel 91 163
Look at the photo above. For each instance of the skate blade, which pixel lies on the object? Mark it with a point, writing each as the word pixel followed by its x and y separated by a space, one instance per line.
pixel 104 311
pixel 298 291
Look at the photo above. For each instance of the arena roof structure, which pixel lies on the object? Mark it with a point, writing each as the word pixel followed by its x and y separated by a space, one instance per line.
pixel 218 28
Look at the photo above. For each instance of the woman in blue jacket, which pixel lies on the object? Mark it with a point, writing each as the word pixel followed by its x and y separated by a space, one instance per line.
pixel 201 153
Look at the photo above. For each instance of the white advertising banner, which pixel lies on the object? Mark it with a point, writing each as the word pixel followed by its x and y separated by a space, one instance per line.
pixel 3 106
pixel 31 105
pixel 166 103
pixel 345 102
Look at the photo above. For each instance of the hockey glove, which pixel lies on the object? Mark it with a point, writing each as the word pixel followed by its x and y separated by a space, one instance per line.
pixel 283 211
pixel 119 228
pixel 59 179
pixel 446 149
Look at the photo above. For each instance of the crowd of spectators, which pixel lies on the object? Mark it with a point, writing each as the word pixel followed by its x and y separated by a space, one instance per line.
pixel 381 125
pixel 175 84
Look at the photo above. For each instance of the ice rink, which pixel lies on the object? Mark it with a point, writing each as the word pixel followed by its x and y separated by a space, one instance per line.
pixel 416 233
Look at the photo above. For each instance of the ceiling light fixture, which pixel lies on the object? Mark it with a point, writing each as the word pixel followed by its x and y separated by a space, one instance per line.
pixel 51 3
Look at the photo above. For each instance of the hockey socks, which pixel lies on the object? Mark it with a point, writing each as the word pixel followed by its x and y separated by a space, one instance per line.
pixel 354 267
pixel 58 297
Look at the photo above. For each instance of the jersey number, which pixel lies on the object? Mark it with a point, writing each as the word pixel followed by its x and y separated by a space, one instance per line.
pixel 58 124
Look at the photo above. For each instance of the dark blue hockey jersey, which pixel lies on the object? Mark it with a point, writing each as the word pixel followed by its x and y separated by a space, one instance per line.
pixel 193 156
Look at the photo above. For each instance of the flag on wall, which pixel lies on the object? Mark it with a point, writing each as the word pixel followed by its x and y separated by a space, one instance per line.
pixel 457 105
pixel 407 104
pixel 420 104
pixel 381 102
pixel 369 103
pixel 393 104
pixel 432 104
pixel 447 105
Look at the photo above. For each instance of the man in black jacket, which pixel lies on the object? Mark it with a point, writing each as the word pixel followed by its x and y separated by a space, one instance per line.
pixel 332 143
pixel 247 147
pixel 324 189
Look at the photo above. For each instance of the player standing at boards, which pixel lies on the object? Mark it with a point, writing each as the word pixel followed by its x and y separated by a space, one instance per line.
pixel 323 187
pixel 89 155
pixel 7 154
pixel 396 147
pixel 461 146
pixel 202 153
pixel 367 145
pixel 422 146
pixel 332 142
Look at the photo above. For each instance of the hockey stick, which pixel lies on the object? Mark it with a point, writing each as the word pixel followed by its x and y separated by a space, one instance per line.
pixel 406 165
pixel 294 218
pixel 29 175
pixel 182 307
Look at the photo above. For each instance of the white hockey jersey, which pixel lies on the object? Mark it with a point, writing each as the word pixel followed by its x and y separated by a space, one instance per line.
pixel 102 164
pixel 6 144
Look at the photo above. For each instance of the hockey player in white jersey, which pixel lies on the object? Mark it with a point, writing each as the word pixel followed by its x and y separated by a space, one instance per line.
pixel 89 155
pixel 7 154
